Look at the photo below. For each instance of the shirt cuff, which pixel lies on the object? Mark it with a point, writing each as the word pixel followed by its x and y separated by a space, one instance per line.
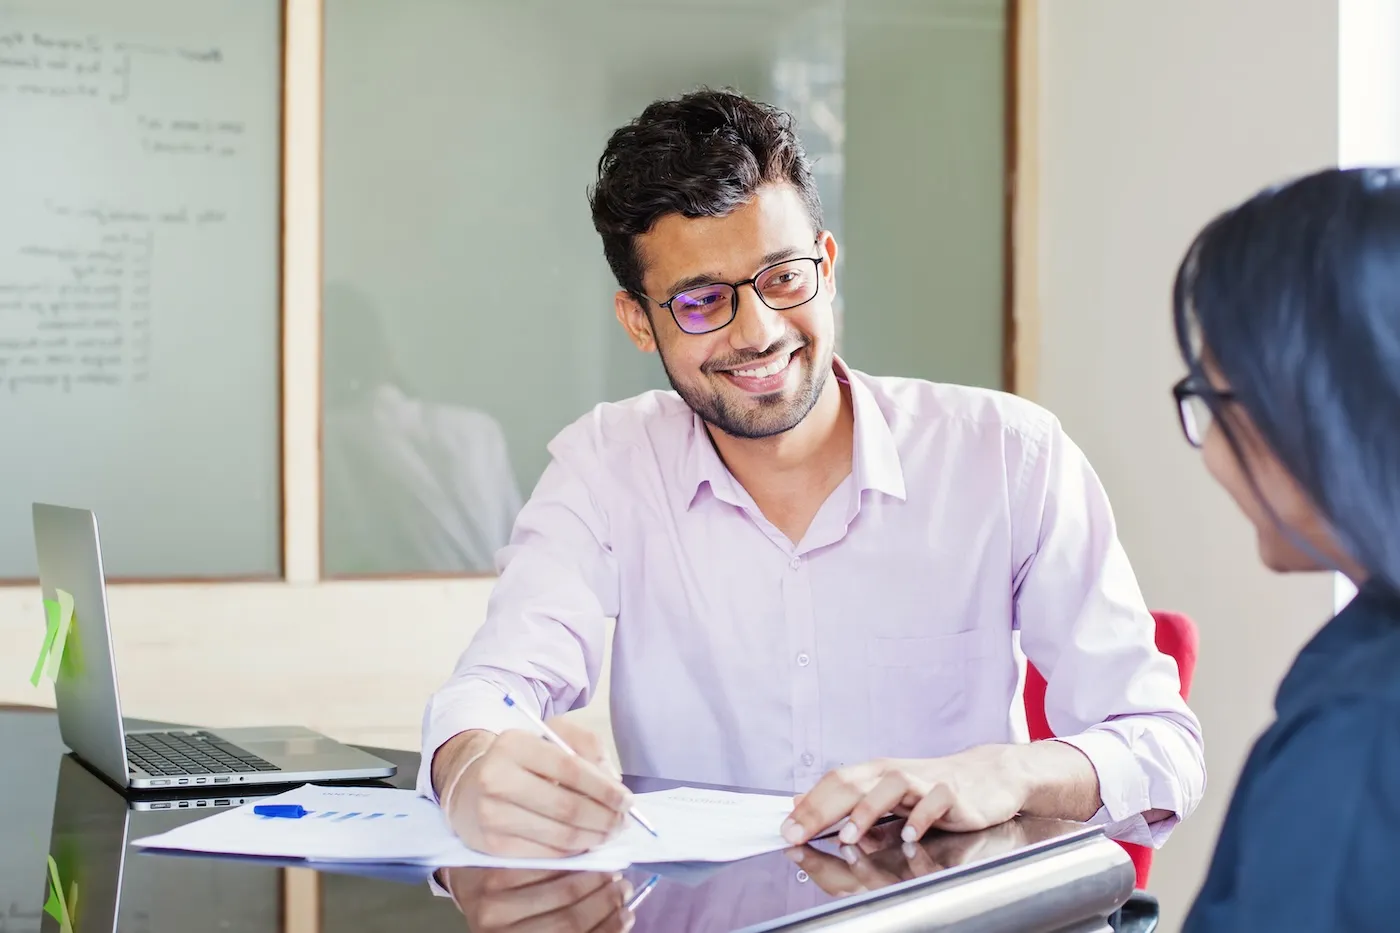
pixel 475 703
pixel 1122 785
pixel 1136 830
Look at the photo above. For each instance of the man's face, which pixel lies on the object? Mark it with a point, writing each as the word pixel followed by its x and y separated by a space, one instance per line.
pixel 761 374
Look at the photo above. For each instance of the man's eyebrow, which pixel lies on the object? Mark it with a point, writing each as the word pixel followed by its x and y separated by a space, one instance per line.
pixel 693 281
pixel 710 278
pixel 778 256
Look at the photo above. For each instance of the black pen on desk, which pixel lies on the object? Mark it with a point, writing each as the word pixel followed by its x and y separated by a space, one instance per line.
pixel 552 736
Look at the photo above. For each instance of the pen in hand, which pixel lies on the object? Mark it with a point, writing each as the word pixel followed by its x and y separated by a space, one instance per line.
pixel 548 733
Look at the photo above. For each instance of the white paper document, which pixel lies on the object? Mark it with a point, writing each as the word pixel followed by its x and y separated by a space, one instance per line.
pixel 371 824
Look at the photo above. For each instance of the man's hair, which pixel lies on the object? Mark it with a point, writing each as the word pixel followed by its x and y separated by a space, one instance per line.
pixel 701 155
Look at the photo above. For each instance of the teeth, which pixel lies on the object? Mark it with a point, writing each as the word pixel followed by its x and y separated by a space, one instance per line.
pixel 772 369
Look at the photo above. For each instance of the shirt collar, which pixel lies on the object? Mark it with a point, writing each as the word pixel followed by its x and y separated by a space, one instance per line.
pixel 875 463
pixel 875 459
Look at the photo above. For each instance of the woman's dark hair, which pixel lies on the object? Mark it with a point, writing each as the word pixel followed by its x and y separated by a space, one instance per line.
pixel 1294 296
pixel 700 155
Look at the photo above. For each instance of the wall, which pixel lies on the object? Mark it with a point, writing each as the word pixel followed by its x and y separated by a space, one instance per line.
pixel 1153 117
pixel 1369 106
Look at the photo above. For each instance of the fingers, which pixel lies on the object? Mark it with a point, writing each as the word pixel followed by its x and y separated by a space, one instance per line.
pixel 528 798
pixel 920 862
pixel 572 771
pixel 501 909
pixel 499 881
pixel 509 829
pixel 870 875
pixel 590 913
pixel 833 875
pixel 933 807
pixel 619 921
pixel 835 795
pixel 888 793
pixel 554 801
pixel 582 740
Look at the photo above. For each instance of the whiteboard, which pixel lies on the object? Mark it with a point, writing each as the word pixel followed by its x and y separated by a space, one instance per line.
pixel 140 288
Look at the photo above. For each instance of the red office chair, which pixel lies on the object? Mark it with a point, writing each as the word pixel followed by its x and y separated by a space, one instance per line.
pixel 1177 638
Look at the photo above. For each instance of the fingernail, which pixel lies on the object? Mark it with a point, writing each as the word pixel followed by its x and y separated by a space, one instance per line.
pixel 617 876
pixel 791 831
pixel 798 855
pixel 627 891
pixel 908 834
pixel 909 849
pixel 849 854
pixel 850 833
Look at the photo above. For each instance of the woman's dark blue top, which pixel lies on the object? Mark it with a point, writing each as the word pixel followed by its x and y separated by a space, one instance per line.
pixel 1312 838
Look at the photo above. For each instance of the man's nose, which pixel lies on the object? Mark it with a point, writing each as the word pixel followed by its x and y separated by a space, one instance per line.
pixel 756 326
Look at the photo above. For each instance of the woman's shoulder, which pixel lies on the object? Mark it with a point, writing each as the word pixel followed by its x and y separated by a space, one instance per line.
pixel 1314 831
pixel 1354 660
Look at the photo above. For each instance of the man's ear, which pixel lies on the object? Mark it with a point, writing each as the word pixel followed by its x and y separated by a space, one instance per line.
pixel 633 318
pixel 826 245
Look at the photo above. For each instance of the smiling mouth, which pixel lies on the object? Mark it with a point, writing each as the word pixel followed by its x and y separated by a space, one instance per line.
pixel 772 368
pixel 763 378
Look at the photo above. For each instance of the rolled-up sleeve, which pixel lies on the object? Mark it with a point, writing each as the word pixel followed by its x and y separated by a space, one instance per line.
pixel 545 630
pixel 1084 625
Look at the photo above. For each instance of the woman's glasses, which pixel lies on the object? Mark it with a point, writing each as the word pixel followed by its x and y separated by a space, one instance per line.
pixel 1197 405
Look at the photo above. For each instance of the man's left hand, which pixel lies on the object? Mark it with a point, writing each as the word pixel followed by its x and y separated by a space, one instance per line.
pixel 966 792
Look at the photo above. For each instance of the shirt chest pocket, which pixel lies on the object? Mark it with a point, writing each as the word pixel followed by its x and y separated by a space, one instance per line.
pixel 924 701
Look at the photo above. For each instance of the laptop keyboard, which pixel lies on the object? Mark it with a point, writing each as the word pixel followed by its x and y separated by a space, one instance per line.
pixel 175 753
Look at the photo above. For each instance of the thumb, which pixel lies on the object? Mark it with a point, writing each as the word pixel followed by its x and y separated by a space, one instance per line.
pixel 584 742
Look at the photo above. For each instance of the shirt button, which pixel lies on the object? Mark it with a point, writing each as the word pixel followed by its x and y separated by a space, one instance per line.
pixel 796 563
pixel 802 876
pixel 807 759
pixel 803 660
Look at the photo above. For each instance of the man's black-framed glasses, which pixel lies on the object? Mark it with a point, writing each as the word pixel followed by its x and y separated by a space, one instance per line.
pixel 782 286
pixel 1196 406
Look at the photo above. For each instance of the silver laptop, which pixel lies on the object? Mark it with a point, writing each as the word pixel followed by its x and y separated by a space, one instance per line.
pixel 90 714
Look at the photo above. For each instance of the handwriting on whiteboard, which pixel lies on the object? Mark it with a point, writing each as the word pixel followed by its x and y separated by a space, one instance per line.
pixel 80 286
pixel 78 313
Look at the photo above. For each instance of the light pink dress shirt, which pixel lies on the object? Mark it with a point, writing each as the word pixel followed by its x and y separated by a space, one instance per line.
pixel 740 658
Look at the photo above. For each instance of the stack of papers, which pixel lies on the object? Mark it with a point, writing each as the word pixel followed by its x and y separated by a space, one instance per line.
pixel 371 824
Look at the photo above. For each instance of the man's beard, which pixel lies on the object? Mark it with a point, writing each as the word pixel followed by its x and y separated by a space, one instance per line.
pixel 770 416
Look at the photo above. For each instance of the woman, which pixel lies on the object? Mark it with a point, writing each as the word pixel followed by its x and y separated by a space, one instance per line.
pixel 1288 316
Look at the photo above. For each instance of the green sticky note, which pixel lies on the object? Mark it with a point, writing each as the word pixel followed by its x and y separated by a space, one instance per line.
pixel 51 906
pixel 65 625
pixel 57 906
pixel 50 632
pixel 58 614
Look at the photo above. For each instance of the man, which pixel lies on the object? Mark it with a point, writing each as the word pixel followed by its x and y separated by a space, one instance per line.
pixel 813 571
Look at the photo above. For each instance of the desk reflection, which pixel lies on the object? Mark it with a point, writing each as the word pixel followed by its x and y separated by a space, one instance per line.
pixel 715 898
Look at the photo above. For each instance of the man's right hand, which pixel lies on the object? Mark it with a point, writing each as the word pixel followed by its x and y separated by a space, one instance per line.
pixel 523 797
